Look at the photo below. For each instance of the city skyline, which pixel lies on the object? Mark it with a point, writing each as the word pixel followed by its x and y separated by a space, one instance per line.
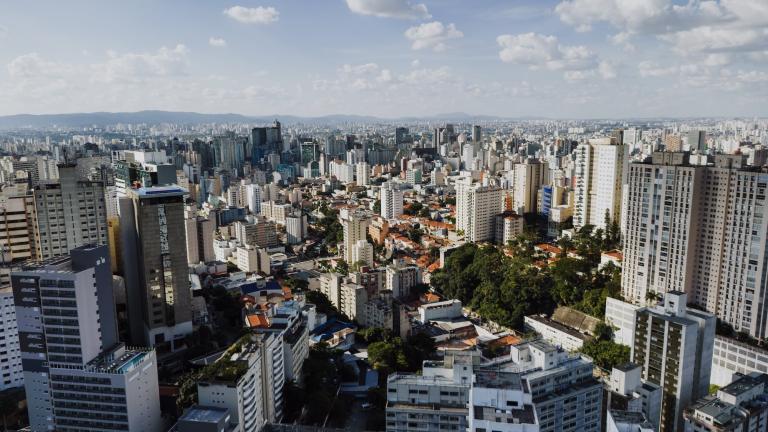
pixel 389 58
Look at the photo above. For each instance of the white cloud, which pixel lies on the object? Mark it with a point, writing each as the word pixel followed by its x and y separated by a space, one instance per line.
pixel 432 35
pixel 544 52
pixel 217 42
pixel 607 70
pixel 33 66
pixel 3 31
pixel 139 66
pixel 416 63
pixel 257 15
pixel 402 9
pixel 651 69
pixel 699 26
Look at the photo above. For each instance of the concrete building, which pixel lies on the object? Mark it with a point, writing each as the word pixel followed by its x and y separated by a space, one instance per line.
pixel 625 391
pixel 476 209
pixel 204 419
pixel 730 357
pixel 362 174
pixel 694 240
pixel 673 346
pixel 155 266
pixel 17 225
pixel 508 226
pixel 76 373
pixel 500 401
pixel 444 310
pixel 556 333
pixel 391 201
pixel 11 373
pixel 741 406
pixel 529 176
pixel 627 421
pixel 434 401
pixel 599 171
pixel 239 387
pixel 253 198
pixel 565 394
pixel 296 227
pixel 400 279
pixel 199 237
pixel 362 253
pixel 355 227
pixel 258 233
pixel 69 213
pixel 621 316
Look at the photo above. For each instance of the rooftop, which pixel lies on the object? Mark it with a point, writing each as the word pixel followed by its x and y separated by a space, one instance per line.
pixel 205 414
pixel 498 380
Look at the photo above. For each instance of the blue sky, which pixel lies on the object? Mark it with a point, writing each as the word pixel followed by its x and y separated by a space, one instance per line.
pixel 565 58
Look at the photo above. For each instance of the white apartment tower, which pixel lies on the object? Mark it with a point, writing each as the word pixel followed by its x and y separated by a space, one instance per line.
pixel 476 209
pixel 391 201
pixel 598 171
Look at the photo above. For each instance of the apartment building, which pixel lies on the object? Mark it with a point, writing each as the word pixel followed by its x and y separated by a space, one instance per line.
pixel 673 347
pixel 599 171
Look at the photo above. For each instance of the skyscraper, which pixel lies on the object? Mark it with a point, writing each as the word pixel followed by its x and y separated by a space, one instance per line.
pixel 69 213
pixel 155 265
pixel 673 346
pixel 477 135
pixel 598 191
pixel 76 373
pixel 699 229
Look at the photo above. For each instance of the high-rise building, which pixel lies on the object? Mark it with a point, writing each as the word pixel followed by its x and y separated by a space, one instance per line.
pixel 529 177
pixel 199 236
pixel 699 229
pixel 68 214
pixel 296 227
pixel 362 174
pixel 697 140
pixel 673 347
pixel 76 373
pixel 17 226
pixel 355 227
pixel 253 198
pixel 477 135
pixel 476 209
pixel 599 171
pixel 239 390
pixel 391 201
pixel 660 227
pixel 229 153
pixel 11 373
pixel 155 266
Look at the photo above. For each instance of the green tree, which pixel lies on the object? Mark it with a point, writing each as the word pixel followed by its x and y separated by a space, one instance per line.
pixel 377 207
pixel 605 353
pixel 388 356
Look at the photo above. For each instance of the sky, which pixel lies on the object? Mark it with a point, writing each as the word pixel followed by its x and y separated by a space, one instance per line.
pixel 387 58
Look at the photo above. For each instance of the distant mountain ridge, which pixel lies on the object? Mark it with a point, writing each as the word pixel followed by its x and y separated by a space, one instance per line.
pixel 74 120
